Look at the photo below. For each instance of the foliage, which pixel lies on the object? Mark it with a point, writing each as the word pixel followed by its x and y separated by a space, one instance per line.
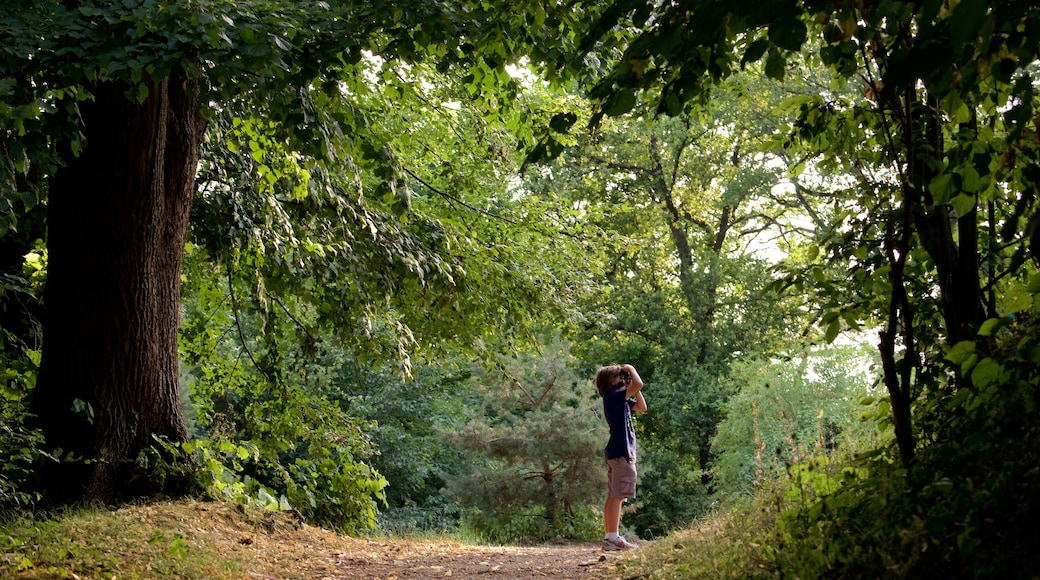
pixel 359 204
pixel 328 233
pixel 959 187
pixel 961 509
pixel 20 450
pixel 259 401
pixel 677 214
pixel 789 410
pixel 728 541
pixel 21 447
pixel 311 108
pixel 354 279
pixel 331 128
pixel 928 158
pixel 671 494
pixel 532 523
pixel 534 449
pixel 407 422
pixel 915 270
pixel 437 517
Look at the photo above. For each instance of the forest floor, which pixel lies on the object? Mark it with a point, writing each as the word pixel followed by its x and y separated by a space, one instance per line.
pixel 191 539
pixel 443 559
pixel 312 553
pixel 282 548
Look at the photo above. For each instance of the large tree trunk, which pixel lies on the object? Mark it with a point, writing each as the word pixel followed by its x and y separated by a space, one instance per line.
pixel 117 218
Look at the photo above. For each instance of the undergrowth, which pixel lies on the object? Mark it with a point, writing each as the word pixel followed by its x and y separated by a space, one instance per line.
pixel 964 508
pixel 728 543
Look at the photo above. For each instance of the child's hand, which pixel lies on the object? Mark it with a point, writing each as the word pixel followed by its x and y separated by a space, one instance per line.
pixel 636 382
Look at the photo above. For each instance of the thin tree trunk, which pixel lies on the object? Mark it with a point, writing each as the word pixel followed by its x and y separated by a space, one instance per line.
pixel 117 217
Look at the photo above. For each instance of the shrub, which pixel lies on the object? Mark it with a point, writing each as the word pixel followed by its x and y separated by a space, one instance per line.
pixel 21 448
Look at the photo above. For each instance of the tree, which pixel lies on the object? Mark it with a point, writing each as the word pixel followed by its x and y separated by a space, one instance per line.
pixel 677 212
pixel 935 227
pixel 105 108
pixel 117 216
pixel 789 410
pixel 536 448
pixel 933 81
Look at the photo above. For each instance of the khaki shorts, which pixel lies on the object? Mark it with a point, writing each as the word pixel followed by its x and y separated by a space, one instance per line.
pixel 621 478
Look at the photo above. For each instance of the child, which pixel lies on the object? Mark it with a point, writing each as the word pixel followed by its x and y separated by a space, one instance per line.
pixel 621 389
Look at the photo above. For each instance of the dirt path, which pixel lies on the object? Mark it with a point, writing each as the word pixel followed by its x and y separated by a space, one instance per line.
pixel 437 559
pixel 278 547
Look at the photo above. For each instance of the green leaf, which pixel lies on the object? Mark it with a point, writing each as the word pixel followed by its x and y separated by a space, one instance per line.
pixel 960 398
pixel 987 327
pixel 962 204
pixel 620 103
pixel 966 20
pixel 986 372
pixel 282 43
pixel 832 331
pixel 536 155
pixel 959 112
pixel 1034 284
pixel 561 122
pixel 1017 298
pixel 961 351
pixel 941 187
pixel 553 148
pixel 788 32
pixel 776 65
pixel 970 180
pixel 754 51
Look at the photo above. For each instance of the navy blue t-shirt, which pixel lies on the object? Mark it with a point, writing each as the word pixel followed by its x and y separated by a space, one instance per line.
pixel 617 408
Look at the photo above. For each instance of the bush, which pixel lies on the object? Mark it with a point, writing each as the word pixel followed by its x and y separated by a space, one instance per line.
pixel 964 508
pixel 436 517
pixel 531 524
pixel 21 448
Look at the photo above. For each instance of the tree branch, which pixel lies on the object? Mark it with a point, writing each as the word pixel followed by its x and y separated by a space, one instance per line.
pixel 454 199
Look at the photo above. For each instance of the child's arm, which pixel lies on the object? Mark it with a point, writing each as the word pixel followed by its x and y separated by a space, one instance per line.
pixel 635 389
pixel 640 406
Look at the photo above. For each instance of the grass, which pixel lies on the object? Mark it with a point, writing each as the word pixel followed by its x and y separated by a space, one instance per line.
pixel 183 539
pixel 724 544
pixel 188 539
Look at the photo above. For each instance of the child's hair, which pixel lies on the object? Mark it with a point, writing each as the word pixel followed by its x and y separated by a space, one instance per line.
pixel 607 378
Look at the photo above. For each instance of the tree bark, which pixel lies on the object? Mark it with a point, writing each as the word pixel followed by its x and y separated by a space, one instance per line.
pixel 117 219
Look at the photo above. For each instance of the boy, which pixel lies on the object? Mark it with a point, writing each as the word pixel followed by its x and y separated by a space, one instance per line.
pixel 621 389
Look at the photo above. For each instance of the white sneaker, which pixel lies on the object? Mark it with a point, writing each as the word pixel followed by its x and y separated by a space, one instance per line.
pixel 618 544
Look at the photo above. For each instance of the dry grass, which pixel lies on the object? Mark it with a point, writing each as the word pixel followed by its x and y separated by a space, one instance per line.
pixel 204 540
pixel 723 545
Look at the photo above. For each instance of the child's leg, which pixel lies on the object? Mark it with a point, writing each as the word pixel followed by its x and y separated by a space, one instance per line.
pixel 621 484
pixel 612 514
